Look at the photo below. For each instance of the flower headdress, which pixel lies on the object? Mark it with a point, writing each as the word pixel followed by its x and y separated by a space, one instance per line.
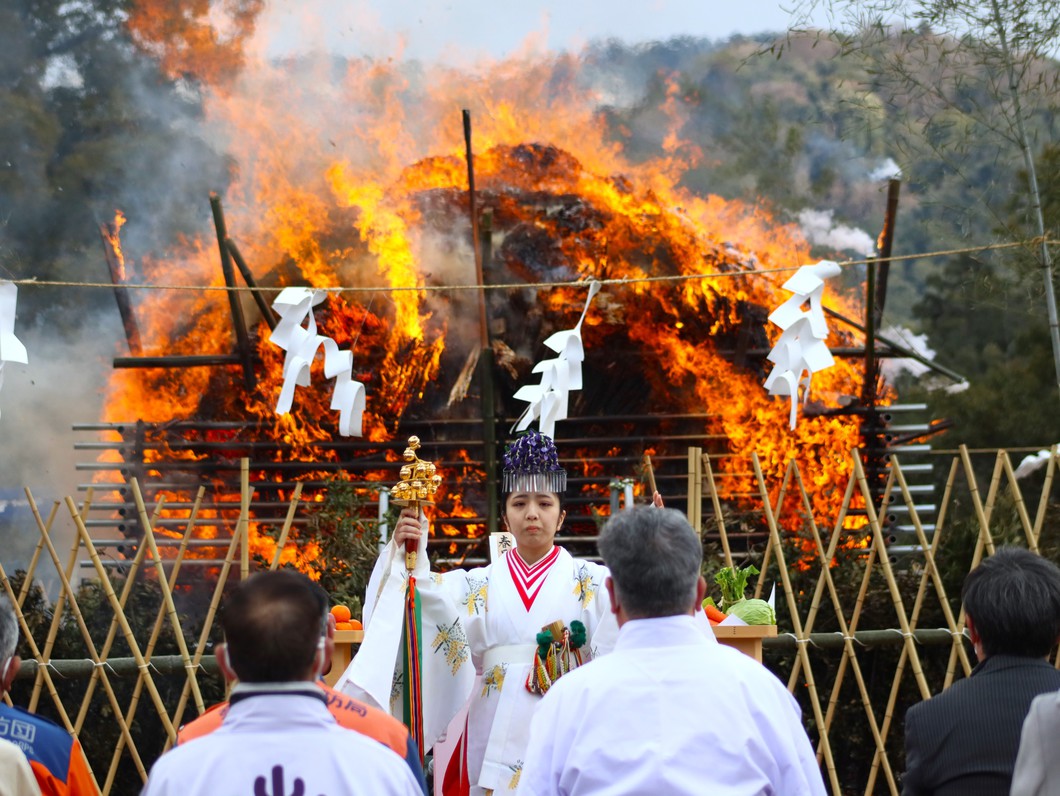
pixel 532 465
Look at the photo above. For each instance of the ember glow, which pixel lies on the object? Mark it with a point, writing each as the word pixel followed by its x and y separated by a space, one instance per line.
pixel 352 175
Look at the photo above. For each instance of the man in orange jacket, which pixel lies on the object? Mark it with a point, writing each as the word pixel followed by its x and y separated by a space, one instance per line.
pixel 55 756
pixel 348 712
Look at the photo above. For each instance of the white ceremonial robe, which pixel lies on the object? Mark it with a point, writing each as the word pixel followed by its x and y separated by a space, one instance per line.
pixel 669 713
pixel 478 643
pixel 278 745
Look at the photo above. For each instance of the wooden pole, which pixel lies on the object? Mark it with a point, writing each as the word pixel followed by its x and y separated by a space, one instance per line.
pixel 248 276
pixel 282 540
pixel 243 528
pixel 238 322
pixel 649 475
pixel 108 232
pixel 27 581
pixel 487 389
pixel 716 502
pixel 695 489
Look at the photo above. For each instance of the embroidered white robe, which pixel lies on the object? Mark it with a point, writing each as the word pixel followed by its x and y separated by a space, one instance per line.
pixel 467 613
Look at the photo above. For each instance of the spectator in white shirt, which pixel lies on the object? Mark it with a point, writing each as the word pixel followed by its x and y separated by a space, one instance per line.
pixel 667 712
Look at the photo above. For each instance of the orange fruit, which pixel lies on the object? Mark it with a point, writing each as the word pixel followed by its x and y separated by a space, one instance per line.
pixel 341 613
pixel 343 626
pixel 355 624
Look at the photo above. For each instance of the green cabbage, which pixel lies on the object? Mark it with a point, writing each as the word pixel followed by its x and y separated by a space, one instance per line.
pixel 753 612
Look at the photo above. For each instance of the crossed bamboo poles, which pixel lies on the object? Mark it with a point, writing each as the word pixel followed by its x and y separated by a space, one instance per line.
pixel 147 550
pixel 875 561
pixel 825 707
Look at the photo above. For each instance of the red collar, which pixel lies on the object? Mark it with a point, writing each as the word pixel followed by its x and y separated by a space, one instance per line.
pixel 529 578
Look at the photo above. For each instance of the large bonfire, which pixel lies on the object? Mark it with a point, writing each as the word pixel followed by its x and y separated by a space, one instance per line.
pixel 350 175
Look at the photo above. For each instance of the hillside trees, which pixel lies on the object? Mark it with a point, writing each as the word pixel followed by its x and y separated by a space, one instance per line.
pixel 979 78
pixel 88 124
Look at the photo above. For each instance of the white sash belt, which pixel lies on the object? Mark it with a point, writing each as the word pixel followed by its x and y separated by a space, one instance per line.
pixel 508 653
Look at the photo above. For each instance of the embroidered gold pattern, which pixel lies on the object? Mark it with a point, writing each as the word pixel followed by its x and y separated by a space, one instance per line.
pixel 453 640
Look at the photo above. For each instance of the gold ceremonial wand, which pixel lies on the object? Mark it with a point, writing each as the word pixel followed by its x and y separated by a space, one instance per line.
pixel 419 481
pixel 417 486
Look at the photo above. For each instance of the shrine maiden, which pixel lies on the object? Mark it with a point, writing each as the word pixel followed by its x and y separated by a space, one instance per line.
pixel 481 627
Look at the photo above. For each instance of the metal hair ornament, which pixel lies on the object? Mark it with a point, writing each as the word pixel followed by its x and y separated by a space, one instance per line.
pixel 531 464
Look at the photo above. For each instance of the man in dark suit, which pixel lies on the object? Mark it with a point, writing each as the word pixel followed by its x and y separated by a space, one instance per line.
pixel 964 741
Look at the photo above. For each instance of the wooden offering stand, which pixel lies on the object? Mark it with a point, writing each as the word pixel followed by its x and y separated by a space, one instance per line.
pixel 745 638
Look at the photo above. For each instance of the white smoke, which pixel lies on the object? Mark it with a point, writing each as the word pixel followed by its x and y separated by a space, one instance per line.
pixel 820 230
pixel 886 170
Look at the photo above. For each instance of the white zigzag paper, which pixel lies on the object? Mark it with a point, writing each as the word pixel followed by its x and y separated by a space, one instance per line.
pixel 548 401
pixel 801 347
pixel 295 307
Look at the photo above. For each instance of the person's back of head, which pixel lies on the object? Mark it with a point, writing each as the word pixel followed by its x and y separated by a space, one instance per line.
pixel 655 559
pixel 1013 599
pixel 275 625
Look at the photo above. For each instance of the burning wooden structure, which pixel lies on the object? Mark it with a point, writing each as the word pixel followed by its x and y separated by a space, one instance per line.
pixel 674 352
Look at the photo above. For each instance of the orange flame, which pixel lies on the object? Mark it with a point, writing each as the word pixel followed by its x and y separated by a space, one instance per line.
pixel 357 181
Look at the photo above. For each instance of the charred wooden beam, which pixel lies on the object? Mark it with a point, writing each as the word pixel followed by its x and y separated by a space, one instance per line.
pixel 242 337
pixel 255 291
pixel 487 391
pixel 188 361
pixel 109 233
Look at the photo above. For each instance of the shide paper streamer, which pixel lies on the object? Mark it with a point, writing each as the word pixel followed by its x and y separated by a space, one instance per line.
pixel 301 342
pixel 801 348
pixel 548 400
pixel 11 348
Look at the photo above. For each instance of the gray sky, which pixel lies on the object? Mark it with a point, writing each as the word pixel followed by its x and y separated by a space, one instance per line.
pixel 462 31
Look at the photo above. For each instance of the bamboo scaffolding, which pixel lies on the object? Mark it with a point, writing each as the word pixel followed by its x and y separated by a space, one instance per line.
pixel 1043 500
pixel 112 630
pixel 90 645
pixel 53 626
pixel 811 686
pixel 914 617
pixel 848 640
pixel 130 639
pixel 811 616
pixel 156 631
pixel 204 636
pixel 57 613
pixel 859 603
pixel 983 541
pixel 888 574
pixel 1021 508
pixel 781 494
pixel 167 594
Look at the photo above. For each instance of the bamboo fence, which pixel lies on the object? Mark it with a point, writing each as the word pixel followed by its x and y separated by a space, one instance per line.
pixel 905 645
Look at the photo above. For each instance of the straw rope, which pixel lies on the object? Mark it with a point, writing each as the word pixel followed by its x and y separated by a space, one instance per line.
pixel 637 280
